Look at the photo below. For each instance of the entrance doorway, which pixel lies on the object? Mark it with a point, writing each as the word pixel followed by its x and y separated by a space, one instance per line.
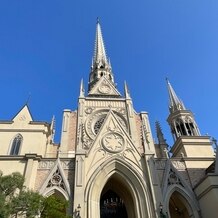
pixel 179 207
pixel 112 206
pixel 116 199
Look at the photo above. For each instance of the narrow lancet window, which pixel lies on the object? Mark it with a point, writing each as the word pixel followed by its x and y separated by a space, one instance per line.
pixel 16 144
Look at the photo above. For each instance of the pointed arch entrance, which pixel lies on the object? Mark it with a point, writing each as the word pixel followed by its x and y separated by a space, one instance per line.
pixel 116 200
pixel 179 206
pixel 111 205
pixel 117 179
pixel 55 204
pixel 181 203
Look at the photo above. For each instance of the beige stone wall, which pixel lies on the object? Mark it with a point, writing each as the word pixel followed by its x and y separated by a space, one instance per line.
pixel 12 165
pixel 33 142
pixel 193 146
pixel 72 131
pixel 196 168
pixel 36 135
pixel 139 132
pixel 68 135
pixel 207 194
pixel 70 176
pixel 158 150
pixel 40 178
pixel 52 151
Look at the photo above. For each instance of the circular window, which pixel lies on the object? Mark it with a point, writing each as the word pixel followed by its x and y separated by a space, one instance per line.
pixel 96 119
pixel 98 124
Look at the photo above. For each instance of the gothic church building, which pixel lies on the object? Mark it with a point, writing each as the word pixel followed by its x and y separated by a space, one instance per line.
pixel 107 164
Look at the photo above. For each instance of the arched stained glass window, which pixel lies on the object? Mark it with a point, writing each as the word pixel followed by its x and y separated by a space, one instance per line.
pixel 16 144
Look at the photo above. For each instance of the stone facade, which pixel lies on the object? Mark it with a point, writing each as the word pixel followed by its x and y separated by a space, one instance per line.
pixel 107 162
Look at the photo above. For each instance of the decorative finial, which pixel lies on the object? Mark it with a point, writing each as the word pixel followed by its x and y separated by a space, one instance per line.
pixel 52 129
pixel 97 20
pixel 126 89
pixel 28 99
pixel 82 90
pixel 58 152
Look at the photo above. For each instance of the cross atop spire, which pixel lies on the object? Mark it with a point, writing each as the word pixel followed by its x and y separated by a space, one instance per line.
pixel 175 102
pixel 100 63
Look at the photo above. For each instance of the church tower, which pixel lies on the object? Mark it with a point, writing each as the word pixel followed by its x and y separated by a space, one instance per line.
pixel 185 130
pixel 181 121
pixel 113 146
pixel 107 164
pixel 100 63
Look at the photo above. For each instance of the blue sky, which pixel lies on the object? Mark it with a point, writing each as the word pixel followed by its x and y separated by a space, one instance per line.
pixel 46 48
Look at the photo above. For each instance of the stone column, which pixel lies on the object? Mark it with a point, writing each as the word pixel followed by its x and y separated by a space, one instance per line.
pixel 31 170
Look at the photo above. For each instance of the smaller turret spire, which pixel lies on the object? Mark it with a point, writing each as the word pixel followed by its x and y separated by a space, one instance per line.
pixel 82 89
pixel 175 102
pixel 126 89
pixel 159 132
pixel 52 129
pixel 180 119
pixel 161 141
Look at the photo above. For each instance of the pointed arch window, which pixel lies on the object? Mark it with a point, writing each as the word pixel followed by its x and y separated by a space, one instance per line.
pixel 179 206
pixel 190 126
pixel 16 144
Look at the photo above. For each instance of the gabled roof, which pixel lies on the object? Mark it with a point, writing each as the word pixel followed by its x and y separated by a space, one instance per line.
pixel 23 115
pixel 56 179
pixel 104 87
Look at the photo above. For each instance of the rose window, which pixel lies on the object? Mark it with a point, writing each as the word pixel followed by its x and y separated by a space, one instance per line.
pixel 98 124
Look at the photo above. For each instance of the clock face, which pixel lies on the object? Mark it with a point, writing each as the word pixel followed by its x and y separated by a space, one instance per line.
pixel 105 89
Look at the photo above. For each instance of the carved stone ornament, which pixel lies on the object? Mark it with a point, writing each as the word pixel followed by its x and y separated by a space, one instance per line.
pixel 104 89
pixel 178 164
pixel 22 118
pixel 96 119
pixel 113 142
pixel 89 110
pixel 173 178
pixel 47 164
pixel 87 142
pixel 160 164
pixel 56 180
pixel 121 111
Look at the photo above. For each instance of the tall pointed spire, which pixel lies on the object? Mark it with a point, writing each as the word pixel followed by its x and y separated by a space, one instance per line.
pixel 100 62
pixel 175 102
pixel 99 52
